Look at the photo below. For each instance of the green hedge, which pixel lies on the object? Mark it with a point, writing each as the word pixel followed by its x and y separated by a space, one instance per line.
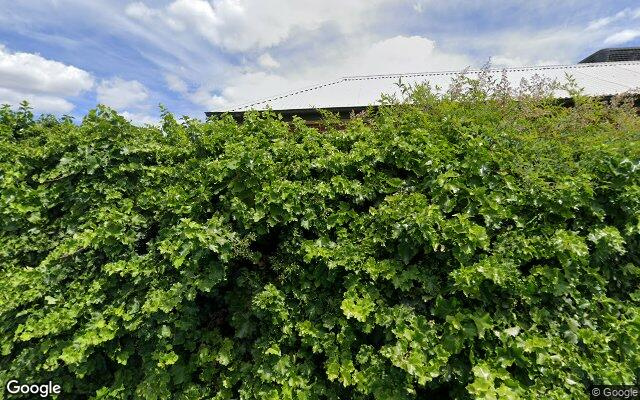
pixel 469 246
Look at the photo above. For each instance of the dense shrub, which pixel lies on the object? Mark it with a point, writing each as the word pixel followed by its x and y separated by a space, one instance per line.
pixel 469 246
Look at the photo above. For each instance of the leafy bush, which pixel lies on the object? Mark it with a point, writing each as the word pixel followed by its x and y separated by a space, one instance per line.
pixel 466 246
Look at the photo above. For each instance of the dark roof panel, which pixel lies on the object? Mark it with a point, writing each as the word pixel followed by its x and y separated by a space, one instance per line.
pixel 613 55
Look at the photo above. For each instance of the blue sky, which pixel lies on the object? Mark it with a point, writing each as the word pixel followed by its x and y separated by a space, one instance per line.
pixel 66 56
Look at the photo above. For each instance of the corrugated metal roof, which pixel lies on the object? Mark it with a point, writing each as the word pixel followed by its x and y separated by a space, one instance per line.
pixel 597 79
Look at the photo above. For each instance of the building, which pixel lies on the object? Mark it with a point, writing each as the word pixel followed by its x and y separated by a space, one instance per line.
pixel 605 73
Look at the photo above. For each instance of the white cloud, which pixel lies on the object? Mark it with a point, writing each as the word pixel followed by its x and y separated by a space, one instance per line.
pixel 40 103
pixel 200 96
pixel 602 22
pixel 401 54
pixel 129 98
pixel 121 94
pixel 140 118
pixel 203 97
pixel 33 73
pixel 44 83
pixel 140 11
pixel 543 47
pixel 266 61
pixel 176 84
pixel 622 36
pixel 242 25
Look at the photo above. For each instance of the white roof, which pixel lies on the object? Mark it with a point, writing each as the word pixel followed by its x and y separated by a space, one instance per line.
pixel 597 79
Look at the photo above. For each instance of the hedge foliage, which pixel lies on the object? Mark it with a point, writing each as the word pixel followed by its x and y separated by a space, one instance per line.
pixel 462 246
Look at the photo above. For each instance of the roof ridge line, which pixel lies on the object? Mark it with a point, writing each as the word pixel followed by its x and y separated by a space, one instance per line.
pixel 476 70
pixel 285 94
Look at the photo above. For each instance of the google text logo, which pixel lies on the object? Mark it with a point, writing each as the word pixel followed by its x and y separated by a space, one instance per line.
pixel 42 390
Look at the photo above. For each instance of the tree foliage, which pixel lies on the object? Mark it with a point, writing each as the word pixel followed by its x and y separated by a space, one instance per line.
pixel 466 246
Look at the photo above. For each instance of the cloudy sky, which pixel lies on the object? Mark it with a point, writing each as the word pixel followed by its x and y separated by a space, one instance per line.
pixel 66 56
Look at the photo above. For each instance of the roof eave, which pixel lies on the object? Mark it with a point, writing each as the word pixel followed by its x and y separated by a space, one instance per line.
pixel 308 114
